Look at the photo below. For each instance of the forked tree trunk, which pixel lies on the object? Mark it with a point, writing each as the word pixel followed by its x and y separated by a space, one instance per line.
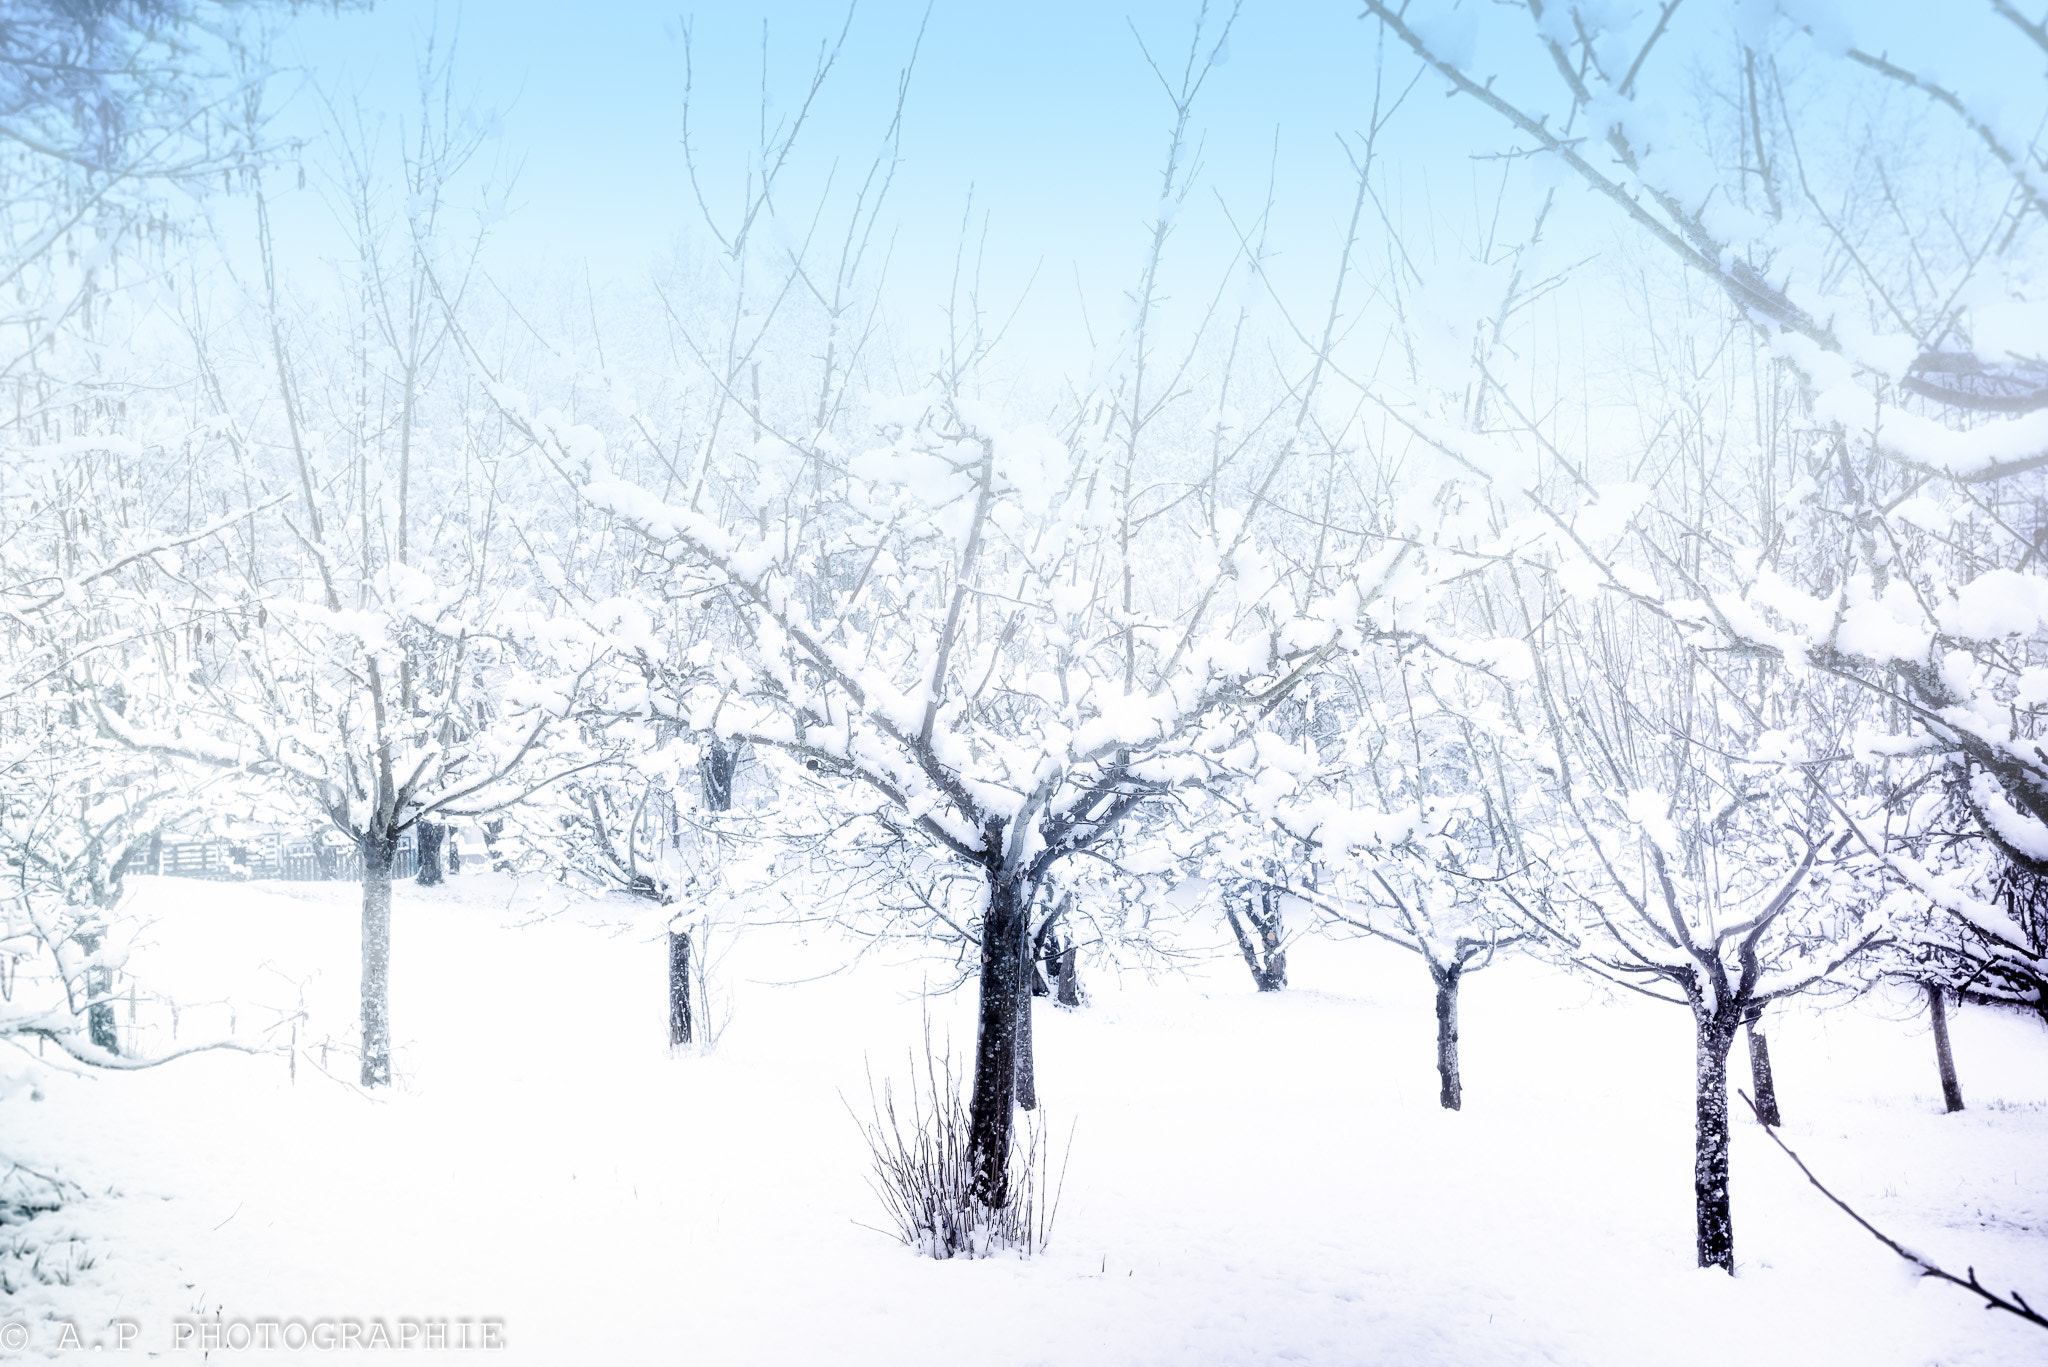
pixel 1267 960
pixel 431 835
pixel 678 988
pixel 378 851
pixel 991 1112
pixel 1760 1069
pixel 1452 1095
pixel 1944 1057
pixel 1270 940
pixel 1714 1037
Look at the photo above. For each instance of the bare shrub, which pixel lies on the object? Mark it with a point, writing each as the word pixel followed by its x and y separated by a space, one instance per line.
pixel 924 1168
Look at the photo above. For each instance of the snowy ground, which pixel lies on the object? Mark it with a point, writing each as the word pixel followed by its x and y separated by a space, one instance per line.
pixel 1252 1179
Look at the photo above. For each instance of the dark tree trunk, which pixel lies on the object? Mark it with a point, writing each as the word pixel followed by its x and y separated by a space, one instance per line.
pixel 431 836
pixel 1714 1037
pixel 1760 1069
pixel 1267 961
pixel 717 761
pixel 1068 989
pixel 991 1112
pixel 678 988
pixel 1944 1057
pixel 1060 957
pixel 1452 1095
pixel 378 851
pixel 454 850
pixel 1027 1064
pixel 100 1026
pixel 1045 948
pixel 1269 940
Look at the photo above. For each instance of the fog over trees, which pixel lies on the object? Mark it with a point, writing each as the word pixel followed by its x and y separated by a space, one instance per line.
pixel 1626 561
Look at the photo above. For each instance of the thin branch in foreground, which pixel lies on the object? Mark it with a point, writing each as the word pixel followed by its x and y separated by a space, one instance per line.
pixel 2013 1303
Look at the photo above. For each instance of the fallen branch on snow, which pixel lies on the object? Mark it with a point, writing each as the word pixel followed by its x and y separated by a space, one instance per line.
pixel 2013 1303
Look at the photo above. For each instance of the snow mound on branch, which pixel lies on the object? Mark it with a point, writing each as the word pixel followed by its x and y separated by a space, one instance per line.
pixel 1886 626
pixel 1651 810
pixel 1996 604
pixel 2013 826
pixel 1922 512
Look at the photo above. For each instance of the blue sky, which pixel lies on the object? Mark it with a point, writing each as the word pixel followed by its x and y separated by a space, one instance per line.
pixel 1047 109
pixel 1046 112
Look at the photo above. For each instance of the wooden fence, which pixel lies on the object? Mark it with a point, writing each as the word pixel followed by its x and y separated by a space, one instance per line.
pixel 300 861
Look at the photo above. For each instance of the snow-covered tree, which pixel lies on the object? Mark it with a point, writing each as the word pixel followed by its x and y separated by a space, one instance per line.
pixel 378 657
pixel 86 545
pixel 1887 265
pixel 111 114
pixel 1403 831
pixel 1699 851
pixel 944 627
